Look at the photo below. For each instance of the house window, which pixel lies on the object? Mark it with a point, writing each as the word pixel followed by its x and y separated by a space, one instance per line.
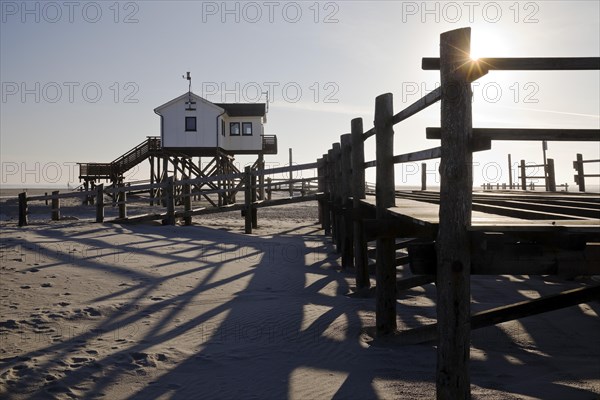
pixel 190 124
pixel 234 129
pixel 247 128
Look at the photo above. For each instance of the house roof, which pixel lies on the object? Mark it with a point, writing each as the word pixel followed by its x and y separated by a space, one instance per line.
pixel 244 110
pixel 195 97
pixel 232 109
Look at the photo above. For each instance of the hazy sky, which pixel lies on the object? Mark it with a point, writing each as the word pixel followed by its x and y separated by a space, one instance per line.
pixel 80 80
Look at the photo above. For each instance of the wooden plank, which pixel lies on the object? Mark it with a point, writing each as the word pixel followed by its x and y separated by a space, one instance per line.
pixel 453 240
pixel 419 105
pixel 575 135
pixel 61 195
pixel 346 194
pixel 428 154
pixel 523 64
pixel 293 168
pixel 385 197
pixel 498 315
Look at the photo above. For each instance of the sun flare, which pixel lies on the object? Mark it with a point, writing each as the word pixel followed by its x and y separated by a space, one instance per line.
pixel 487 43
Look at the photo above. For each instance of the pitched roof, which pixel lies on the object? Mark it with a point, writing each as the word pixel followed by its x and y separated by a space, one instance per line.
pixel 184 96
pixel 243 110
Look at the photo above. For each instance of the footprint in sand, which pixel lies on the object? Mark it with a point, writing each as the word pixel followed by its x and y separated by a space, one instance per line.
pixel 25 287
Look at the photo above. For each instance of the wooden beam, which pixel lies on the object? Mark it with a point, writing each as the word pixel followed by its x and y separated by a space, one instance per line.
pixel 385 192
pixel 494 316
pixel 419 105
pixel 453 244
pixel 361 262
pixel 575 135
pixel 523 64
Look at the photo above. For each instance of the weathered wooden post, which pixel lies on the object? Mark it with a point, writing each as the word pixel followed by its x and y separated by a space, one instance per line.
pixel 170 194
pixel 326 196
pixel 253 199
pixel 331 191
pixel 100 203
pixel 320 189
pixel 261 177
pixel 122 200
pixel 453 241
pixel 523 175
pixel 551 184
pixel 55 206
pixel 337 198
pixel 187 203
pixel 247 200
pixel 46 200
pixel 291 185
pixel 346 204
pixel 361 261
pixel 23 209
pixel 385 198
pixel 423 176
pixel 269 189
pixel 510 178
pixel 580 177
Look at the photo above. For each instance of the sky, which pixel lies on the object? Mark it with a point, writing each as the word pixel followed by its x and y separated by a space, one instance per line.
pixel 80 79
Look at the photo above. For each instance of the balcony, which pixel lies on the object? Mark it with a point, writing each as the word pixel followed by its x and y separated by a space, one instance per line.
pixel 269 144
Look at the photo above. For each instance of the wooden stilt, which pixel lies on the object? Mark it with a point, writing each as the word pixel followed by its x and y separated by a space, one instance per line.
pixel 55 206
pixel 361 262
pixel 23 209
pixel 100 203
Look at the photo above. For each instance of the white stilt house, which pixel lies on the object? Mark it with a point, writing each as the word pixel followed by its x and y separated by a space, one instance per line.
pixel 196 126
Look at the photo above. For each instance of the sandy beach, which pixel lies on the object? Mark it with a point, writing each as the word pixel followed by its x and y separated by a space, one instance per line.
pixel 147 311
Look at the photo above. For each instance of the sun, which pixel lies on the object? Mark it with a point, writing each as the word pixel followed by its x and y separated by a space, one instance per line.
pixel 487 43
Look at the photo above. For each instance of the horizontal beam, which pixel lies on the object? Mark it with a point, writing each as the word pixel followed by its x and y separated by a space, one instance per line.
pixel 565 135
pixel 61 196
pixel 285 169
pixel 419 105
pixel 524 64
pixel 527 308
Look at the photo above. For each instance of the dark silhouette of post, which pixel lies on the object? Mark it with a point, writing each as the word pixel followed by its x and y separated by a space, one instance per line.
pixel 550 177
pixel 453 242
pixel 100 203
pixel 23 209
pixel 423 176
pixel 510 179
pixel 55 206
pixel 248 200
pixel 523 175
pixel 385 192
pixel 346 193
pixel 361 261
pixel 580 177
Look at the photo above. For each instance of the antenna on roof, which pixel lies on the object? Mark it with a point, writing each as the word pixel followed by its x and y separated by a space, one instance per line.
pixel 190 101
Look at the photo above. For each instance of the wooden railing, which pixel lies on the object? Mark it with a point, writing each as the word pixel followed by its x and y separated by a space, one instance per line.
pixel 344 217
pixel 580 176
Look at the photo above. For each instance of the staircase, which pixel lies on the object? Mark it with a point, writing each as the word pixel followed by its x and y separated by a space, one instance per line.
pixel 116 169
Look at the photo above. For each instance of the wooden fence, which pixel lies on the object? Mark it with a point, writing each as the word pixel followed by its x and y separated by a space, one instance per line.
pixel 174 193
pixel 346 214
pixel 580 176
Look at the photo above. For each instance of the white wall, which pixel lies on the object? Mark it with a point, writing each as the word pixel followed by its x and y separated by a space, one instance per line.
pixel 174 134
pixel 250 143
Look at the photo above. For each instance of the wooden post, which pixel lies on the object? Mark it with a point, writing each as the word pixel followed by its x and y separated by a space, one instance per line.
pixel 187 203
pixel 248 200
pixel 122 199
pixel 320 189
pixel 523 175
pixel 346 193
pixel 331 191
pixel 253 199
pixel 326 196
pixel 510 178
pixel 291 186
pixel 23 209
pixel 55 206
pixel 580 177
pixel 100 203
pixel 423 176
pixel 361 261
pixel 385 192
pixel 261 177
pixel 269 189
pixel 170 194
pixel 151 159
pixel 551 178
pixel 46 194
pixel 337 199
pixel 453 243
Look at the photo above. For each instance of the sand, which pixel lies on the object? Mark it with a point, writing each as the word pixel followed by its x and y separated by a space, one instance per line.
pixel 154 312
